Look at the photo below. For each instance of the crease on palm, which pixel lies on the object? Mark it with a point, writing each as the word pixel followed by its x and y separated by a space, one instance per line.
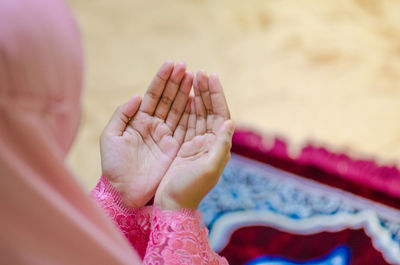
pixel 168 119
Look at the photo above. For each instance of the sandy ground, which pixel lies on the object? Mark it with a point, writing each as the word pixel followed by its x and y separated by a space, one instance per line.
pixel 326 71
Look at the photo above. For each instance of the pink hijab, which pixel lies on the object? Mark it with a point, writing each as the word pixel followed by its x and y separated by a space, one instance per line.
pixel 46 217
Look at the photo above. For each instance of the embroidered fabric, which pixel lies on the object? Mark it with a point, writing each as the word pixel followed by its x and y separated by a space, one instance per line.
pixel 178 238
pixel 135 224
pixel 160 237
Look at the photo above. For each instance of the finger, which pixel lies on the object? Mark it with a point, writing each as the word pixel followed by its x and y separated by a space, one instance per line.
pixel 191 129
pixel 168 96
pixel 122 116
pixel 202 81
pixel 223 145
pixel 181 129
pixel 201 115
pixel 218 100
pixel 180 101
pixel 156 88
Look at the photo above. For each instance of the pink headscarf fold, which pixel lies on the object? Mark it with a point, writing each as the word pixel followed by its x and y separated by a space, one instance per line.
pixel 46 217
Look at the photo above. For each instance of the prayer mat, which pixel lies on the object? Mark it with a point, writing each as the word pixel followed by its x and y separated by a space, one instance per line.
pixel 318 208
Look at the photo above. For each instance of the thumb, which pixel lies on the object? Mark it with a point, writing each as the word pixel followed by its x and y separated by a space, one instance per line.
pixel 122 115
pixel 223 144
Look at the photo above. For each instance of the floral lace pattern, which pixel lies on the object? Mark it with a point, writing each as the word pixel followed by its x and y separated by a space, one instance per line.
pixel 135 224
pixel 161 237
pixel 179 238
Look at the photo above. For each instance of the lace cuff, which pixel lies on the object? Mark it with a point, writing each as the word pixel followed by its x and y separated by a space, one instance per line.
pixel 134 223
pixel 179 237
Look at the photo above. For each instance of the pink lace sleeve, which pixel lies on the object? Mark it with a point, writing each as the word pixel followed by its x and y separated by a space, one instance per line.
pixel 179 238
pixel 134 223
pixel 173 238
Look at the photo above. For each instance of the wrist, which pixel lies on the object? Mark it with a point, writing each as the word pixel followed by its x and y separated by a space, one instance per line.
pixel 168 203
pixel 129 197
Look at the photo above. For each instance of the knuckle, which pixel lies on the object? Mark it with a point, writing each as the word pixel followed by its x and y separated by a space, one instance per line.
pixel 200 116
pixel 183 93
pixel 174 82
pixel 175 111
pixel 161 77
pixel 181 127
pixel 203 86
pixel 166 100
pixel 152 94
pixel 159 115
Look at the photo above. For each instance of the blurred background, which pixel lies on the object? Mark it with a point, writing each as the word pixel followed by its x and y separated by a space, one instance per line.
pixel 321 71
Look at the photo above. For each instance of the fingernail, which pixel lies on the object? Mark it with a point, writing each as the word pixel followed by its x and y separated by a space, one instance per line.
pixel 168 63
pixel 136 96
pixel 181 63
pixel 214 75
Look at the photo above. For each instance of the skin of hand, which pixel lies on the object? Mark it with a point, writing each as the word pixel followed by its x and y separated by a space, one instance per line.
pixel 205 150
pixel 144 136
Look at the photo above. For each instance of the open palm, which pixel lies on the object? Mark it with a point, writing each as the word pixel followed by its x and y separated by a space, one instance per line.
pixel 143 138
pixel 205 150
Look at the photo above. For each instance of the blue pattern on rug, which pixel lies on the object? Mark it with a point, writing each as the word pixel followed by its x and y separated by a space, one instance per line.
pixel 339 256
pixel 248 185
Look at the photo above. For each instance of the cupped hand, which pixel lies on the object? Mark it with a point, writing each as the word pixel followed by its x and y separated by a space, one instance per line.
pixel 205 150
pixel 144 136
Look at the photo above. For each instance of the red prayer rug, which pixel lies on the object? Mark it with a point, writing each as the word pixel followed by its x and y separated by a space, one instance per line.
pixel 319 208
